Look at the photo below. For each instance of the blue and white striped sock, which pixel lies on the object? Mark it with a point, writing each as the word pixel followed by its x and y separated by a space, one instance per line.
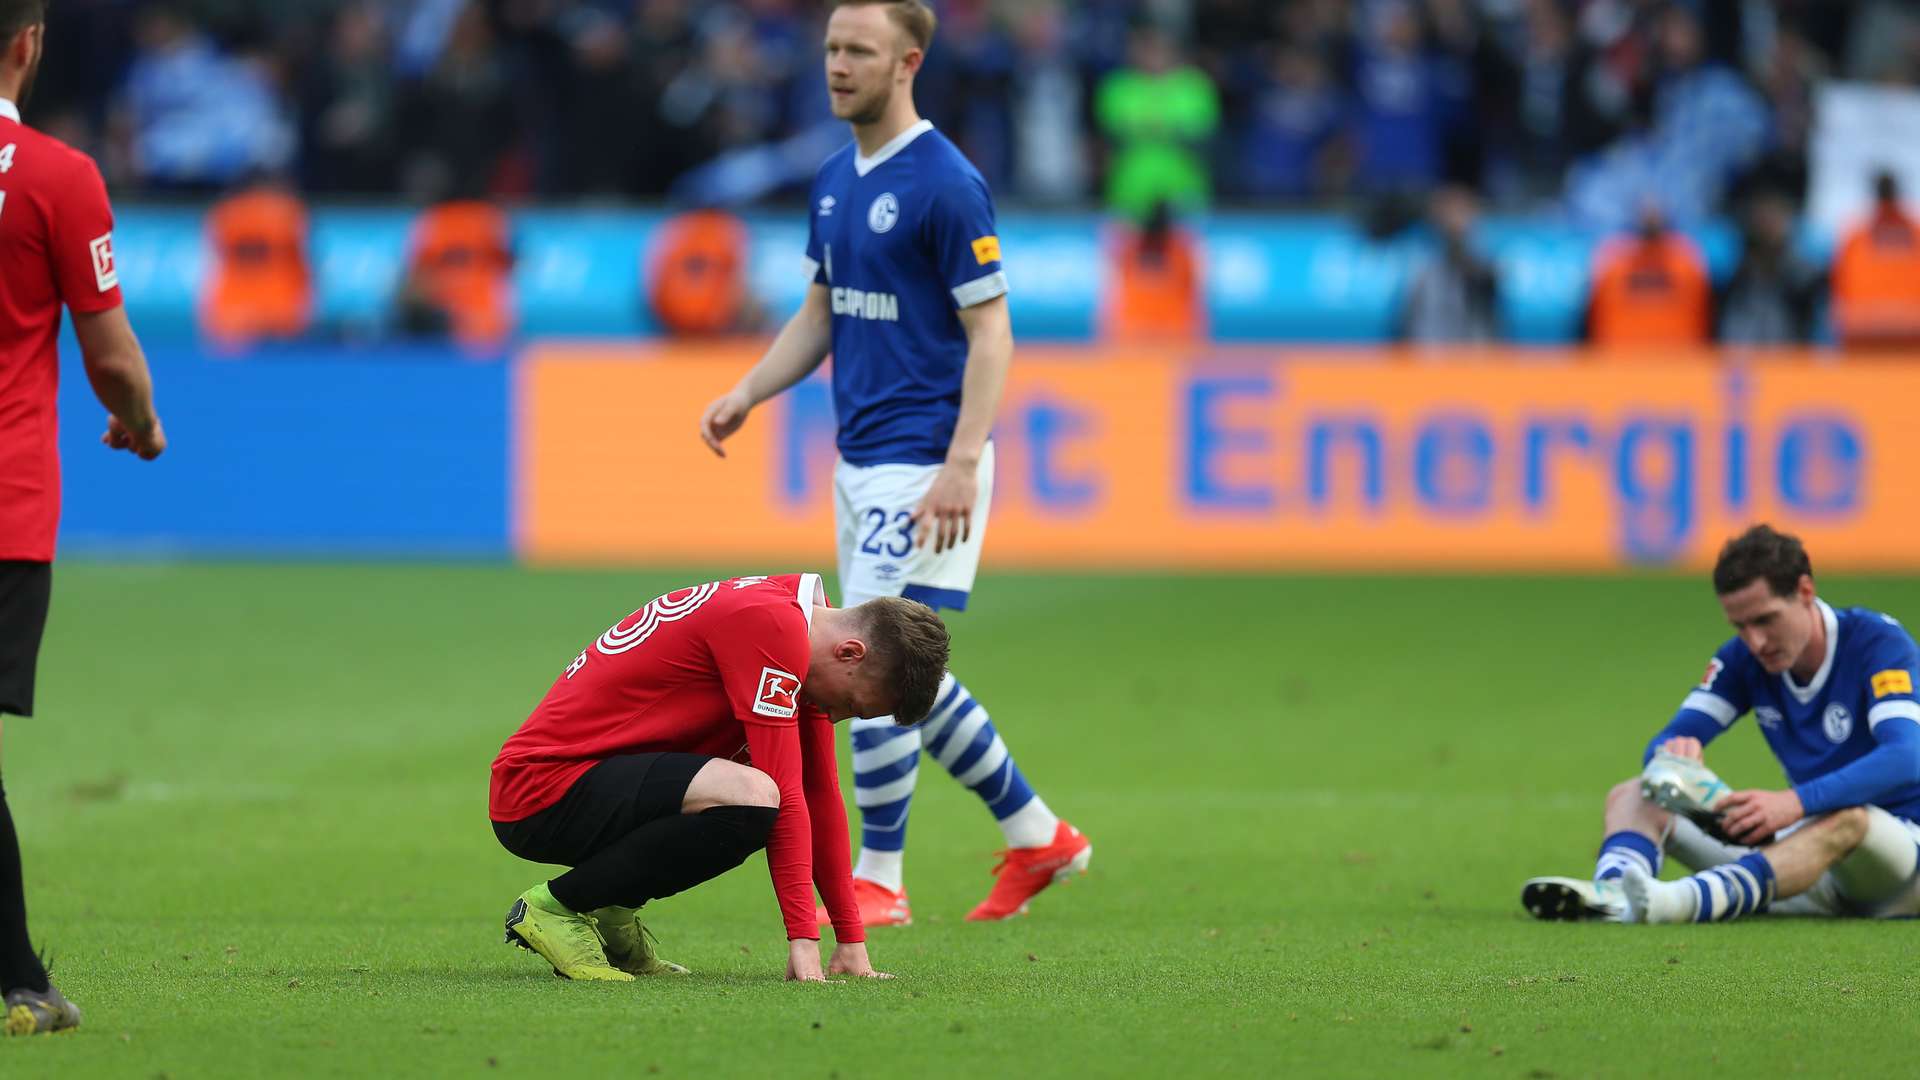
pixel 1624 849
pixel 1733 889
pixel 961 737
pixel 886 761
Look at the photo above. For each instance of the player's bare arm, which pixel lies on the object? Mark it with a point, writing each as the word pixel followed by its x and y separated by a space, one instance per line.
pixel 800 348
pixel 946 512
pixel 117 368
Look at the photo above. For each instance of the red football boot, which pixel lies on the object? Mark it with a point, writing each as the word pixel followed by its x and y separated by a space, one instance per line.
pixel 1023 872
pixel 879 905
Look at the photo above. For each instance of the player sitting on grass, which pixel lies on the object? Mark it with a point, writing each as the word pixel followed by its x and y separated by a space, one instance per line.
pixel 633 769
pixel 1833 694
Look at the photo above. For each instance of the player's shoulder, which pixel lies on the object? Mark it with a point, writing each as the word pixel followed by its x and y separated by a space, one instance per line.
pixel 945 166
pixel 44 154
pixel 785 600
pixel 1735 659
pixel 837 166
pixel 1863 628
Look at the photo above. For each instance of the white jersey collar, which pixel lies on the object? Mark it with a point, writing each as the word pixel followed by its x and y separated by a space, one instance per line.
pixel 9 111
pixel 809 593
pixel 865 165
pixel 1804 694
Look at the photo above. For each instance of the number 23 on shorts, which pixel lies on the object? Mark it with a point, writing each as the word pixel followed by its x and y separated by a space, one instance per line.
pixel 887 534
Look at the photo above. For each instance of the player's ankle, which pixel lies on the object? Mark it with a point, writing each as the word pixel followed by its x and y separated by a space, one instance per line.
pixel 542 897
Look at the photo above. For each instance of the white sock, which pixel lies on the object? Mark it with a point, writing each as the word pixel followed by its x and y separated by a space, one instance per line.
pixel 1651 900
pixel 882 868
pixel 1032 825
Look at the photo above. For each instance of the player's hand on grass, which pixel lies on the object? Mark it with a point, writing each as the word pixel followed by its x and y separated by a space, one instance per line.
pixel 851 959
pixel 1683 747
pixel 723 418
pixel 946 512
pixel 1752 817
pixel 148 443
pixel 803 961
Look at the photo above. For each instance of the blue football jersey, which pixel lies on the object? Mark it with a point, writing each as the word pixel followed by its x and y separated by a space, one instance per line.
pixel 902 240
pixel 1867 679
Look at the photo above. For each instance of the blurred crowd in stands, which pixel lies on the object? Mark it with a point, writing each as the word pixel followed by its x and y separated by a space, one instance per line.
pixel 1630 116
pixel 1580 102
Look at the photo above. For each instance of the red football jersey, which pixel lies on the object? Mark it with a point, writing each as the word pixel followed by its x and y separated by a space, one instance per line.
pixel 714 669
pixel 56 247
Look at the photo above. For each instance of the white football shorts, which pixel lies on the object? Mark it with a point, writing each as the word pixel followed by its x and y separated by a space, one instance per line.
pixel 873 515
pixel 1881 879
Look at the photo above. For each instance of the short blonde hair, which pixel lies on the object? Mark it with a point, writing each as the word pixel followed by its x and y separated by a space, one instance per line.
pixel 913 16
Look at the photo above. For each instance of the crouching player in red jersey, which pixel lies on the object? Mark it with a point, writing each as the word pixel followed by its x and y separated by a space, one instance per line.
pixel 696 731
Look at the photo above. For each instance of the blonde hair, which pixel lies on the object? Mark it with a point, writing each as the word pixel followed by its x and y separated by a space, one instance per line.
pixel 913 16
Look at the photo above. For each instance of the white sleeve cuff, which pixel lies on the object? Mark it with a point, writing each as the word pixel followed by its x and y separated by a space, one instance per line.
pixel 981 290
pixel 813 267
pixel 1713 705
pixel 1889 710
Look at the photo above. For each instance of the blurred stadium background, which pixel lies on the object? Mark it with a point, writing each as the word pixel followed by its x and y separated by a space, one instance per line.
pixel 1549 296
pixel 1567 283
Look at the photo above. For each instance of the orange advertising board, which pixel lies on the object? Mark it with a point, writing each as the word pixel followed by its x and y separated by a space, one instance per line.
pixel 1257 459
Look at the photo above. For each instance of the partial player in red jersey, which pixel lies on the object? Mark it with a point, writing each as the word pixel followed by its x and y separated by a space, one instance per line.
pixel 694 732
pixel 56 250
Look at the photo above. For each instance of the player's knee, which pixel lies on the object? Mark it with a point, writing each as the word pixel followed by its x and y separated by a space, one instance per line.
pixel 724 783
pixel 758 789
pixel 1847 826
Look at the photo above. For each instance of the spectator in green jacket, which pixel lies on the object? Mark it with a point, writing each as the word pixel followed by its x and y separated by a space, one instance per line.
pixel 1157 114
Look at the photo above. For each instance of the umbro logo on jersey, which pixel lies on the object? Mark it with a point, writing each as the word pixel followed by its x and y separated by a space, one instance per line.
pixel 884 214
pixel 827 203
pixel 778 695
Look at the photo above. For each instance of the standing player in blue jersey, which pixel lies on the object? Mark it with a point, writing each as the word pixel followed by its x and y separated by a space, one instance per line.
pixel 909 297
pixel 1833 694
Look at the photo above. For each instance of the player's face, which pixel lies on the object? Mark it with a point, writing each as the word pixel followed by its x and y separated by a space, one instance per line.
pixel 1776 629
pixel 866 53
pixel 844 690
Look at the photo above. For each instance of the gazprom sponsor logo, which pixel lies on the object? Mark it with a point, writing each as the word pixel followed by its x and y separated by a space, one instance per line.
pixel 860 304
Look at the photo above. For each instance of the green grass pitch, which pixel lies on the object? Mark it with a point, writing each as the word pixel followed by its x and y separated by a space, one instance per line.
pixel 254 810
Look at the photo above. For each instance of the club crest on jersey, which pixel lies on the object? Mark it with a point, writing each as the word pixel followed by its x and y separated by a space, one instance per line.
pixel 884 214
pixel 1838 723
pixel 1768 716
pixel 827 203
pixel 778 695
pixel 1713 672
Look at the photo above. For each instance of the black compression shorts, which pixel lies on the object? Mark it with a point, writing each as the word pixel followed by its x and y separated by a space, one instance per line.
pixel 609 801
pixel 25 589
